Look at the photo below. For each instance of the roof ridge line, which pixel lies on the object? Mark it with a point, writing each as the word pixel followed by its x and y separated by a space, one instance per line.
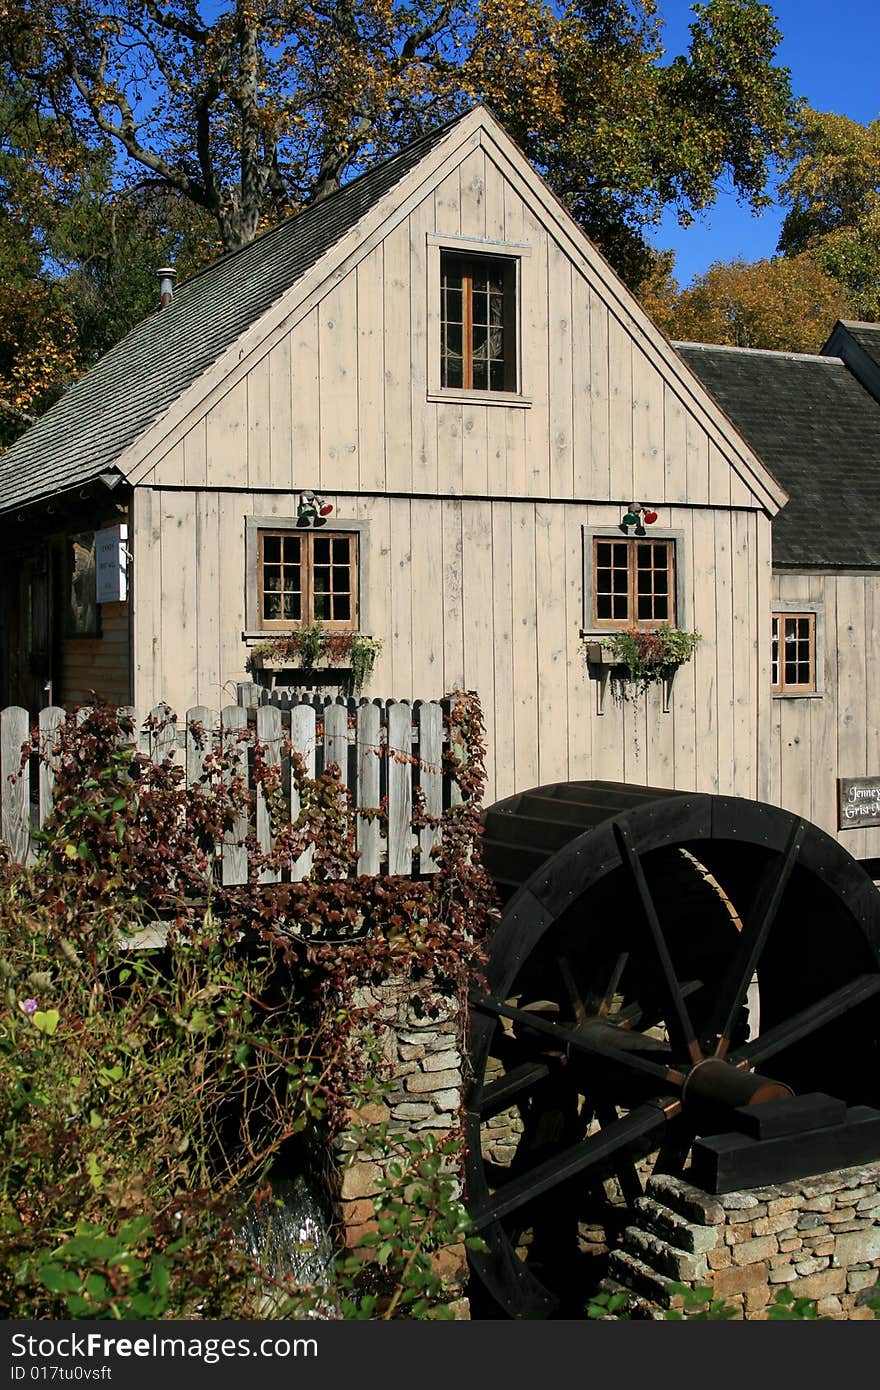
pixel 760 352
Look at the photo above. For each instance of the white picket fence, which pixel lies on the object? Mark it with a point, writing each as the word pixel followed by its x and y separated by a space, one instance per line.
pixel 383 750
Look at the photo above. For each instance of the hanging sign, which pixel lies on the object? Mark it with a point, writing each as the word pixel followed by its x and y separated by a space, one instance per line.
pixel 858 802
pixel 111 572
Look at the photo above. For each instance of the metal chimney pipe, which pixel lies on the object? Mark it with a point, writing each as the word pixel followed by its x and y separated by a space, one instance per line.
pixel 166 274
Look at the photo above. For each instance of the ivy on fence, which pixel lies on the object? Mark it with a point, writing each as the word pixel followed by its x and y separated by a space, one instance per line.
pixel 147 1094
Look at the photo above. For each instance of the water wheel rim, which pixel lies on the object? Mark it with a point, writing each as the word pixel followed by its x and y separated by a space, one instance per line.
pixel 568 876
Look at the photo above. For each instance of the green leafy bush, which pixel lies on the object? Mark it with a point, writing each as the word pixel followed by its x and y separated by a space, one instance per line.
pixel 701 1305
pixel 142 1101
pixel 420 1220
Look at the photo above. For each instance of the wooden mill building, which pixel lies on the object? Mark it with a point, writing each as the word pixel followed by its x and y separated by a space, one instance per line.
pixel 440 356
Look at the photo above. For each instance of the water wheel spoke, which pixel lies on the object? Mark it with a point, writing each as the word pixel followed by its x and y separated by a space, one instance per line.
pixel 756 929
pixel 631 861
pixel 624 1168
pixel 672 1154
pixel 597 1149
pixel 642 916
pixel 809 1020
pixel 575 996
pixel 613 984
pixel 502 1092
pixel 591 1044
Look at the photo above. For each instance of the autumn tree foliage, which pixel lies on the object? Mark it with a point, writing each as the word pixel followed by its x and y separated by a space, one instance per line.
pixel 828 258
pixel 134 132
pixel 833 198
pixel 252 107
pixel 787 304
pixel 37 336
pixel 621 132
pixel 77 255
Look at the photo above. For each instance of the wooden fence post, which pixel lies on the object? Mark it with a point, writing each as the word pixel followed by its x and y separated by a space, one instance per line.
pixel 14 782
pixel 376 758
pixel 400 780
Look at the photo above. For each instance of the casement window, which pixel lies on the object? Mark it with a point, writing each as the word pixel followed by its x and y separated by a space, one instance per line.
pixel 305 577
pixel 793 653
pixel 478 322
pixel 633 583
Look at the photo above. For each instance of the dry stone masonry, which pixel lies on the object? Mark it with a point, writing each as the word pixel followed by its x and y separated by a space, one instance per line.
pixel 420 1034
pixel 819 1236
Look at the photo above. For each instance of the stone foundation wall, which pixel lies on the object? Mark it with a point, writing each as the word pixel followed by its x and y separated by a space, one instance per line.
pixel 420 1036
pixel 818 1236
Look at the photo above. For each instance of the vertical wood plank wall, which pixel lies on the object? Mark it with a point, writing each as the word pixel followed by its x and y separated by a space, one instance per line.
pixel 816 739
pixel 474 511
pixel 487 595
pixel 341 402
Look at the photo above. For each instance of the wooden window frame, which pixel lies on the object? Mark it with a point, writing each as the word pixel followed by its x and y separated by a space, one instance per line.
pixel 778 620
pixel 469 263
pixel 307 538
pixel 632 542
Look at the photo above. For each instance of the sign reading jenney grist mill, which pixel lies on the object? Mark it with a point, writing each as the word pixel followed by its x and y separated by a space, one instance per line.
pixel 858 802
pixel 110 564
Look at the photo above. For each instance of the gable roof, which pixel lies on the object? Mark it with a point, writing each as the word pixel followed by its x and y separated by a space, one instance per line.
pixel 85 432
pixel 817 428
pixel 867 335
pixel 859 346
pixel 134 399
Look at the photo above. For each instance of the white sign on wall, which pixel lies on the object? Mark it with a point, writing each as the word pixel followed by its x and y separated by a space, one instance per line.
pixel 111 572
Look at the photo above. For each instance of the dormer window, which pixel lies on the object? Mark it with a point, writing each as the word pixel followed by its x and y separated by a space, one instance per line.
pixel 477 322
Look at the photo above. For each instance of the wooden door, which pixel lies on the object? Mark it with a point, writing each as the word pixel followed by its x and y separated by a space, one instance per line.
pixel 29 644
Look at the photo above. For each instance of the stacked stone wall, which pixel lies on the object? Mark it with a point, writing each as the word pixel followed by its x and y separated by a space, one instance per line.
pixel 819 1237
pixel 420 1036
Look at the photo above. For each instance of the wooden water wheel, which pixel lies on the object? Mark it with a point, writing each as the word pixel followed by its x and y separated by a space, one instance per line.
pixel 663 958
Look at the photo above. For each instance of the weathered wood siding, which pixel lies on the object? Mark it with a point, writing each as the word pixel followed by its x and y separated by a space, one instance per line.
pixel 484 595
pixel 836 733
pixel 341 402
pixel 98 664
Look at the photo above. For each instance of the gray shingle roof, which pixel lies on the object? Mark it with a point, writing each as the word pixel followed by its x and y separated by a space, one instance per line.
pixel 867 335
pixel 88 429
pixel 818 431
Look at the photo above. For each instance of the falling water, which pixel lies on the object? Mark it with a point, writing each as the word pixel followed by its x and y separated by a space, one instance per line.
pixel 288 1233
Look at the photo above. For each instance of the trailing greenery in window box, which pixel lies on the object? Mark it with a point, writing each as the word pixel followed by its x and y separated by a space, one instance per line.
pixel 317 648
pixel 647 655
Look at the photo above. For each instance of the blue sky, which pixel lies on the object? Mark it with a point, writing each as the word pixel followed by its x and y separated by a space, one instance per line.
pixel 833 52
